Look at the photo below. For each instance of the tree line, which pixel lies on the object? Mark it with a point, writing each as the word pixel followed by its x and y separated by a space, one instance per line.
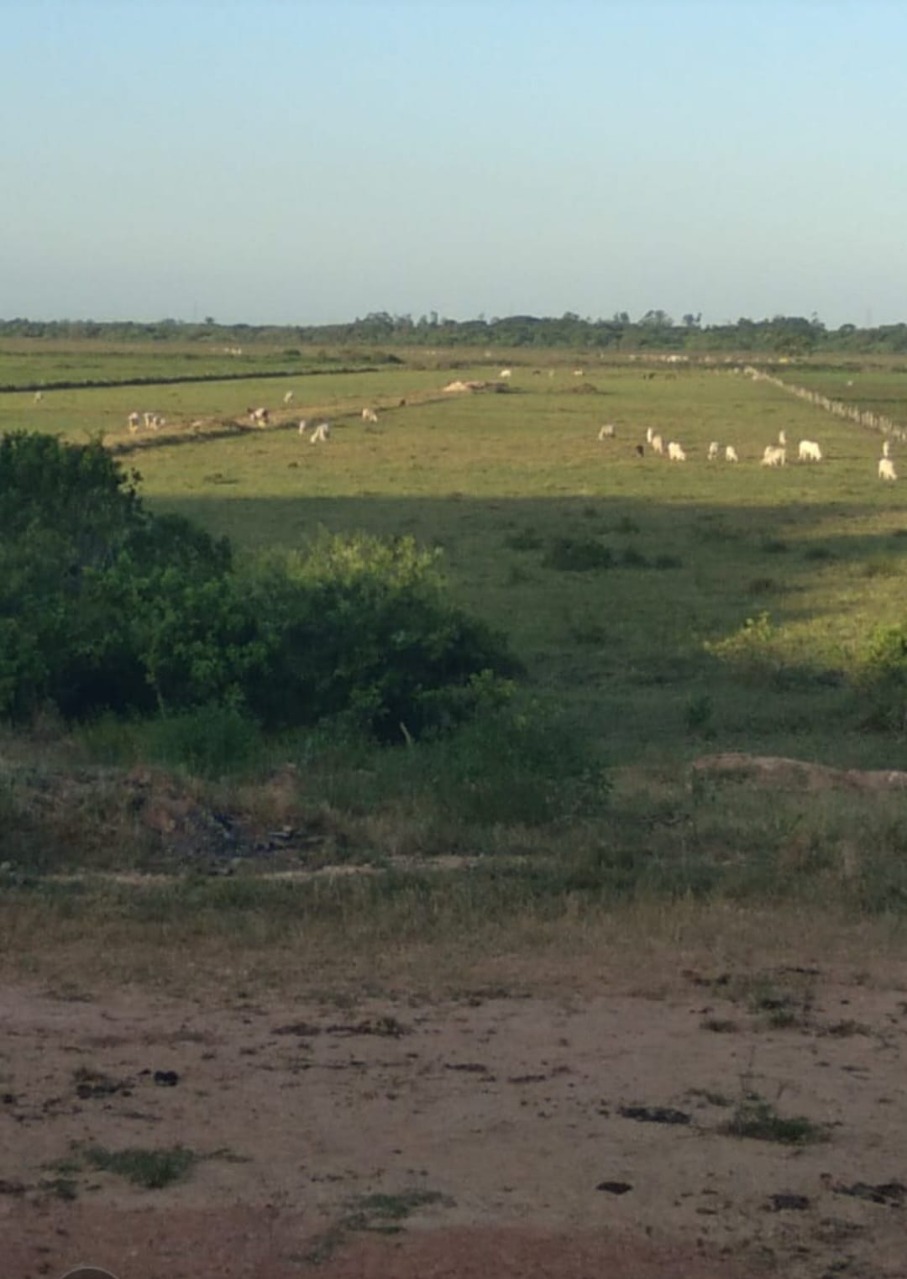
pixel 655 330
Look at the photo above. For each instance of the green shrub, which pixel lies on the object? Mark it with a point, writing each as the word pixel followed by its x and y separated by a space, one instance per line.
pixel 883 680
pixel 632 557
pixel 514 766
pixel 578 555
pixel 210 741
pixel 105 607
pixel 526 539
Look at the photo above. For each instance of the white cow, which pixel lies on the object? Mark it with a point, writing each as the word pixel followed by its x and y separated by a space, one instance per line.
pixel 135 421
pixel 714 450
pixel 369 415
pixel 658 445
pixel 607 432
pixel 303 427
pixel 321 433
pixel 886 469
pixel 809 451
pixel 650 431
pixel 259 417
pixel 730 454
pixel 782 439
pixel 288 397
pixel 675 452
pixel 886 448
pixel 506 374
pixel 39 396
pixel 774 455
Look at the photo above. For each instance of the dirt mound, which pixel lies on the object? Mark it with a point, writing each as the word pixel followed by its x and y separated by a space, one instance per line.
pixel 794 774
pixel 105 818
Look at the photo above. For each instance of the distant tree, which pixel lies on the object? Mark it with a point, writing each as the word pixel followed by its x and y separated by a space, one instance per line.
pixel 657 320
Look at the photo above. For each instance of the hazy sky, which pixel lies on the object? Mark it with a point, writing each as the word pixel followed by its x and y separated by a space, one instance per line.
pixel 307 161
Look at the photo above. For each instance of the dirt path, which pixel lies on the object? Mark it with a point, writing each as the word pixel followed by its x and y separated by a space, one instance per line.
pixel 484 1135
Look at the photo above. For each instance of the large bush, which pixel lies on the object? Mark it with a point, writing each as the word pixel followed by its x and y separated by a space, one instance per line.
pixel 883 680
pixel 106 607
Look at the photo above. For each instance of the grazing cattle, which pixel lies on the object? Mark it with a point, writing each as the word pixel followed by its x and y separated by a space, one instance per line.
pixel 782 439
pixel 650 431
pixel 135 421
pixel 886 469
pixel 774 456
pixel 658 445
pixel 714 450
pixel 288 397
pixel 809 451
pixel 730 454
pixel 886 448
pixel 675 452
pixel 303 427
pixel 369 415
pixel 259 417
pixel 577 372
pixel 321 433
pixel 506 374
pixel 149 419
pixel 39 396
pixel 607 432
pixel 640 451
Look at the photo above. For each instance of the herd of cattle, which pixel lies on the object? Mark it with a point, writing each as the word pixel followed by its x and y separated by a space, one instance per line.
pixel 773 455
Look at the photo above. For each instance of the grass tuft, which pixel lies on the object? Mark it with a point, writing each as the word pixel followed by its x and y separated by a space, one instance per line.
pixel 757 1119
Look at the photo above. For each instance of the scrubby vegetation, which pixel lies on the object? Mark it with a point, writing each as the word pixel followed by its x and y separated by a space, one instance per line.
pixel 197 704
pixel 106 607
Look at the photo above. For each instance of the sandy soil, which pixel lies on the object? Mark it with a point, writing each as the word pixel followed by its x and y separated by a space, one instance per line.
pixel 486 1135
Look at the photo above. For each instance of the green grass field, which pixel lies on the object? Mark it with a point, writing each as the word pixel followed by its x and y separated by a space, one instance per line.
pixel 669 610
pixel 650 652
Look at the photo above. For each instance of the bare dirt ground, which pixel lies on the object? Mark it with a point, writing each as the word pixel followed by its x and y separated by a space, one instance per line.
pixel 574 1134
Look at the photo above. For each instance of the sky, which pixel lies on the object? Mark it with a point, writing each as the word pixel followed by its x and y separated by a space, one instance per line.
pixel 312 161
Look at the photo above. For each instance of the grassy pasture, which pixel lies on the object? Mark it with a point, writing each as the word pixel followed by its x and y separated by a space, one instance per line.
pixel 37 362
pixel 501 481
pixel 498 481
pixel 879 390
pixel 729 610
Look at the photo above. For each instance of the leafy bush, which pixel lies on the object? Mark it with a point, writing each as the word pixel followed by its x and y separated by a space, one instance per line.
pixel 211 741
pixel 578 555
pixel 106 607
pixel 523 766
pixel 883 680
pixel 516 762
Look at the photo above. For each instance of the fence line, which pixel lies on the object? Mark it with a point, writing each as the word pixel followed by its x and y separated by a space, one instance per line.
pixel 863 417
